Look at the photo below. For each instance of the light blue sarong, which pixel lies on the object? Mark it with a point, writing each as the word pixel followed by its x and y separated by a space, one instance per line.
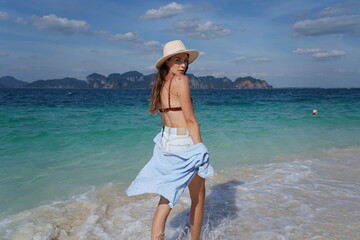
pixel 168 174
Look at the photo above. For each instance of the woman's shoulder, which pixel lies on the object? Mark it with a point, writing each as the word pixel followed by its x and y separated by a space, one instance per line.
pixel 181 79
pixel 182 83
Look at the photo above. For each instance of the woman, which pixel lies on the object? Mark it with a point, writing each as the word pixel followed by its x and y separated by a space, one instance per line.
pixel 180 159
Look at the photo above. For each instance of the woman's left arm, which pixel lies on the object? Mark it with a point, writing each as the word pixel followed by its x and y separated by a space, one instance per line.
pixel 182 82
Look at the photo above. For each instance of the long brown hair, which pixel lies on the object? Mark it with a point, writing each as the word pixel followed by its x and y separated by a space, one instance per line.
pixel 158 83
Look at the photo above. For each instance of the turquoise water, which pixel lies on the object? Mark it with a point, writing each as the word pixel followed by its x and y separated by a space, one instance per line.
pixel 57 144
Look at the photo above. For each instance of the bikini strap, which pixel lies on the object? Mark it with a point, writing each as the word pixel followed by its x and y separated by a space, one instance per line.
pixel 169 93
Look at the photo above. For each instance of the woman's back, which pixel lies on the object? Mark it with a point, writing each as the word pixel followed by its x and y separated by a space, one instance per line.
pixel 171 113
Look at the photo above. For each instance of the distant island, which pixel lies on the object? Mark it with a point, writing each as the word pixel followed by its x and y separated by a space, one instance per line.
pixel 133 80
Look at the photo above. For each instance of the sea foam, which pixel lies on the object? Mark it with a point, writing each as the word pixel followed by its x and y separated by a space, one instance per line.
pixel 306 198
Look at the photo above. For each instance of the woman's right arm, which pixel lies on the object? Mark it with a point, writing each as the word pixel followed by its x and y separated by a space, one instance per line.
pixel 187 108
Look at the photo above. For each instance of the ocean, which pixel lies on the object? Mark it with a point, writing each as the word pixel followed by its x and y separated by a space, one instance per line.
pixel 67 157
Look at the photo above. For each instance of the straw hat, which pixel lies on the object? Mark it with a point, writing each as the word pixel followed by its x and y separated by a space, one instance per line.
pixel 175 47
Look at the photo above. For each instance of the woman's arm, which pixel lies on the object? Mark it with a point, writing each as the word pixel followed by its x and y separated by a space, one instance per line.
pixel 187 108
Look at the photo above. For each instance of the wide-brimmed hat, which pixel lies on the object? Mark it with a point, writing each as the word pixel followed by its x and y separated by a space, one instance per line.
pixel 175 47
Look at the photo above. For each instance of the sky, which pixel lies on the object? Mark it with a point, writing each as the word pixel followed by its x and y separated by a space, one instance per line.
pixel 288 43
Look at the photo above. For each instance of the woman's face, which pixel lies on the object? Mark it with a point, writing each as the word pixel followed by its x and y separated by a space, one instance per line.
pixel 178 63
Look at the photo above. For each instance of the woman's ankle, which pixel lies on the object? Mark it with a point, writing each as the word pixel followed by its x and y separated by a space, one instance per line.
pixel 161 236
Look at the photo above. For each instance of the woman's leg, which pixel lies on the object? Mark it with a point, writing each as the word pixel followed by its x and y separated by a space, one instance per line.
pixel 197 195
pixel 159 220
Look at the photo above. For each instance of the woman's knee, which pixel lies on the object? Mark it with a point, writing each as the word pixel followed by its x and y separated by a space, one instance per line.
pixel 198 198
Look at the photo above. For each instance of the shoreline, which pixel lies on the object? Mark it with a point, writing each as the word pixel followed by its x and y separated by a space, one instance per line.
pixel 297 196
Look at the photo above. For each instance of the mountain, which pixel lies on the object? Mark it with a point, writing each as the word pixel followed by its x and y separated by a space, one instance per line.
pixel 250 83
pixel 133 79
pixel 210 82
pixel 58 83
pixel 136 80
pixel 11 82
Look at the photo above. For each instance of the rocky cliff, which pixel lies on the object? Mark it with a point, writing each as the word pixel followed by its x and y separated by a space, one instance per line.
pixel 251 83
pixel 131 79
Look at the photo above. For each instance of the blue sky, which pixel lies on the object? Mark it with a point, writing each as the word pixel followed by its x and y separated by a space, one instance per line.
pixel 288 43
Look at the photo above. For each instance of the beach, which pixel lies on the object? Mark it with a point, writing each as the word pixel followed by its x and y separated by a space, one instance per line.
pixel 281 173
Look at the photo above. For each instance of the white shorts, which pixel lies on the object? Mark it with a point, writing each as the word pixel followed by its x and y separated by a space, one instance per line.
pixel 176 139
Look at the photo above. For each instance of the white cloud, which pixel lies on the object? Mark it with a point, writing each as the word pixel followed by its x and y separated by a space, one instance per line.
pixel 149 46
pixel 326 55
pixel 136 42
pixel 202 54
pixel 4 16
pixel 129 36
pixel 67 26
pixel 254 74
pixel 151 68
pixel 341 8
pixel 152 44
pixel 331 11
pixel 172 9
pixel 251 60
pixel 319 54
pixel 307 50
pixel 218 74
pixel 260 60
pixel 327 25
pixel 194 29
pixel 240 59
pixel 338 9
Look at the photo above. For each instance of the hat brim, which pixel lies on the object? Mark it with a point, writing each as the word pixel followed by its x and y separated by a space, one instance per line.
pixel 193 54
